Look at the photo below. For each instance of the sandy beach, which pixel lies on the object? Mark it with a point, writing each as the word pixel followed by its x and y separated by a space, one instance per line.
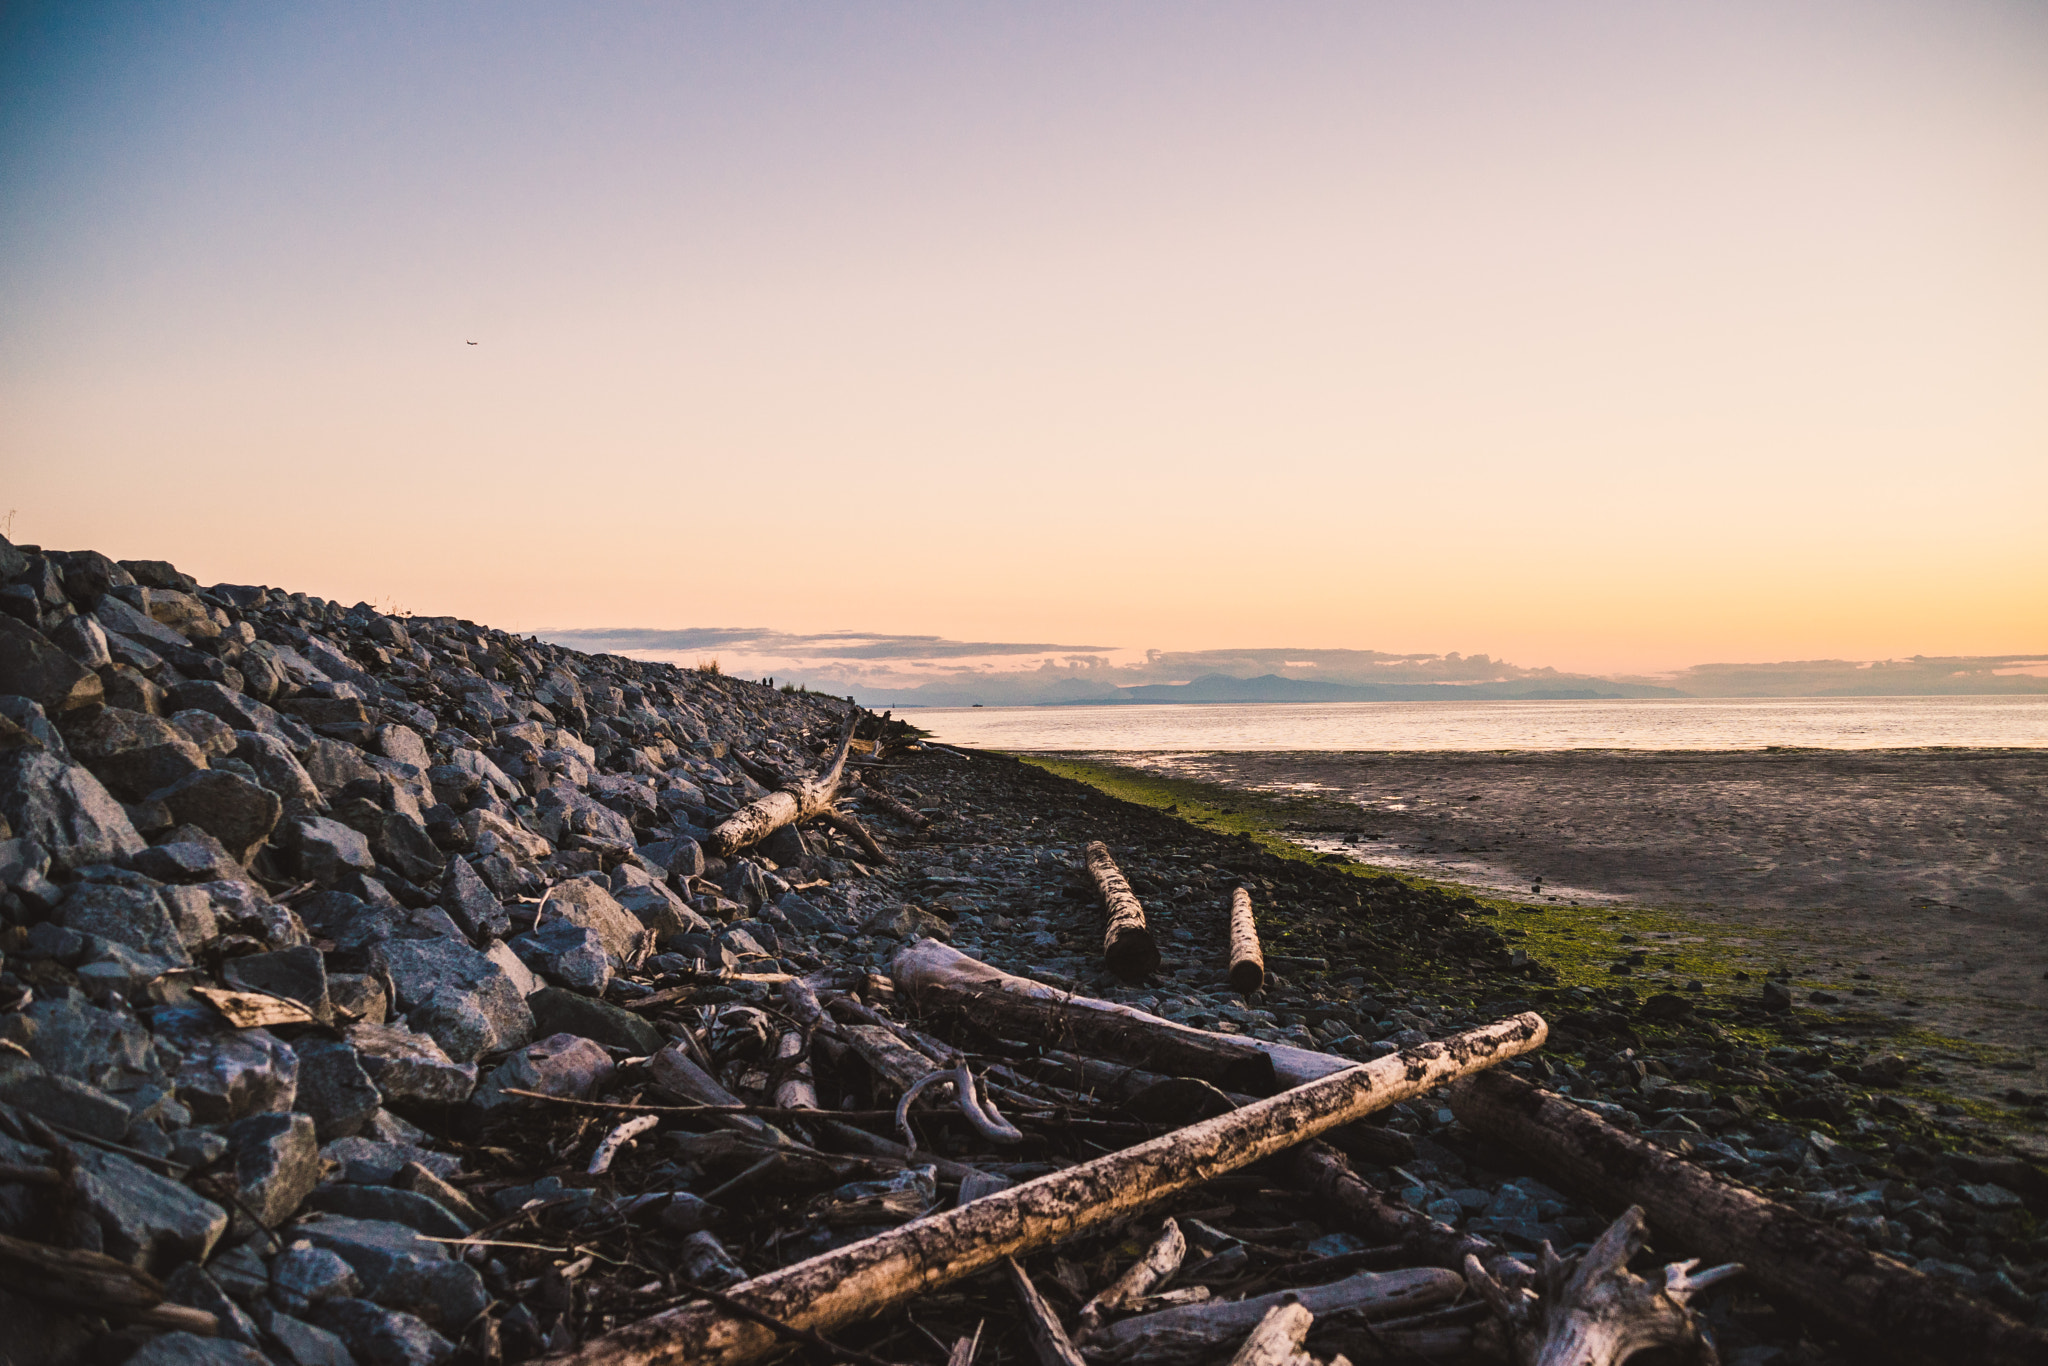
pixel 1926 869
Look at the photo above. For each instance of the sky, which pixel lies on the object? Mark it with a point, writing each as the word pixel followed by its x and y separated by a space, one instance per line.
pixel 1609 337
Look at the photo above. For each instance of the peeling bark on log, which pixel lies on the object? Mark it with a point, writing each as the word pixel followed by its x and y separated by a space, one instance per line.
pixel 1247 961
pixel 1822 1272
pixel 928 964
pixel 881 1273
pixel 1197 1330
pixel 1048 1339
pixel 1127 944
pixel 810 797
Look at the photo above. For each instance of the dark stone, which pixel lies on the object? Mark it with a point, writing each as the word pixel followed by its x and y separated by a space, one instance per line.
pixel 408 1066
pixel 298 974
pixel 189 1349
pixel 682 858
pixel 460 997
pixel 582 901
pixel 567 954
pixel 1777 997
pixel 187 861
pixel 556 1011
pixel 32 666
pixel 26 1085
pixel 413 1210
pixel 335 1088
pixel 400 1269
pixel 303 1275
pixel 239 710
pixel 146 1220
pixel 135 916
pixel 276 1164
pixel 383 1337
pixel 470 903
pixel 1665 1006
pixel 238 813
pixel 192 1287
pixel 327 850
pixel 294 1342
pixel 226 1073
pixel 133 753
pixel 559 1065
pixel 62 807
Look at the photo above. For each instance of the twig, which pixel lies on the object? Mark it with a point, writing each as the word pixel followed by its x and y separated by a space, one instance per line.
pixel 601 1160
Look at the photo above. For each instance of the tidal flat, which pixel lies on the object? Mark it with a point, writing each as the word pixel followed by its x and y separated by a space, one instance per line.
pixel 1907 890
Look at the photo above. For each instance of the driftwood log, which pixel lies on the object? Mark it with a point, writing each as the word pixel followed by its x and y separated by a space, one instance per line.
pixel 889 806
pixel 865 838
pixel 1049 1338
pixel 1247 960
pixel 1277 1340
pixel 1127 944
pixel 1322 1171
pixel 1161 1260
pixel 1594 1311
pixel 1197 1330
pixel 1821 1272
pixel 797 801
pixel 944 978
pixel 879 1274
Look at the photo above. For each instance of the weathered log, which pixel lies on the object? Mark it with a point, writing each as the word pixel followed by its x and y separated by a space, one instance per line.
pixel 848 825
pixel 797 801
pixel 1247 961
pixel 946 978
pixel 678 1074
pixel 1277 1340
pixel 792 1059
pixel 1127 944
pixel 1161 1260
pixel 1323 1172
pixel 1198 1330
pixel 887 804
pixel 1048 1338
pixel 1821 1272
pixel 95 1281
pixel 1594 1311
pixel 879 1274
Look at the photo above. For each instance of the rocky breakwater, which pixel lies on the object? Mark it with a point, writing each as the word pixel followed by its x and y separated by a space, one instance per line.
pixel 295 896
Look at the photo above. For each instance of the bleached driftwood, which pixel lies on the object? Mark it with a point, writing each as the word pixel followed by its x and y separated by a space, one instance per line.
pixel 1869 1298
pixel 1127 944
pixel 1594 1311
pixel 1277 1339
pixel 1048 1338
pixel 945 978
pixel 1247 960
pixel 797 801
pixel 1161 1260
pixel 1198 1330
pixel 792 1060
pixel 881 1273
pixel 617 1139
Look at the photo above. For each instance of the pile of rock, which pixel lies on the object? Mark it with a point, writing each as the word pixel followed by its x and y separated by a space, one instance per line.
pixel 278 872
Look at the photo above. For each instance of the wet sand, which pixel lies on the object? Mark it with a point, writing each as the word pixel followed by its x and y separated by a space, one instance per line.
pixel 1927 869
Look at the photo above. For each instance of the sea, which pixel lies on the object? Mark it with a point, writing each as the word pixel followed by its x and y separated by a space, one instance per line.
pixel 1619 723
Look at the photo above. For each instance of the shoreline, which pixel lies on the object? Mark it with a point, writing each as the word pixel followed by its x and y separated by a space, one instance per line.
pixel 1963 988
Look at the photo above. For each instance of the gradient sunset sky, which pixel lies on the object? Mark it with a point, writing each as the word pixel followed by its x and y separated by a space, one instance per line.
pixel 1608 336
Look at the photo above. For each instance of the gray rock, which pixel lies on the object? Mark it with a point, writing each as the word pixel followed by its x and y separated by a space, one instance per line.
pixel 660 910
pixel 404 744
pixel 456 994
pixel 470 903
pixel 184 861
pixel 197 1147
pixel 26 1085
pixel 235 811
pixel 133 753
pixel 215 737
pixel 303 1275
pixel 62 807
pixel 1777 997
pixel 84 640
pixel 910 922
pixel 135 916
pixel 333 765
pixel 276 1164
pixel 375 1162
pixel 334 1088
pixel 581 901
pixel 30 716
pixel 410 1208
pixel 400 1269
pixel 146 1220
pixel 520 975
pixel 383 1337
pixel 226 1073
pixel 240 711
pixel 327 850
pixel 556 1011
pixel 32 666
pixel 189 1349
pixel 278 769
pixel 358 997
pixel 408 1066
pixel 294 1342
pixel 298 974
pixel 570 955
pixel 683 858
pixel 106 1049
pixel 559 1065
pixel 192 1287
pixel 560 811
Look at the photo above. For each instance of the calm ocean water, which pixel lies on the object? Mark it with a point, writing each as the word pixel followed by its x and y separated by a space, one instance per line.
pixel 1661 723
